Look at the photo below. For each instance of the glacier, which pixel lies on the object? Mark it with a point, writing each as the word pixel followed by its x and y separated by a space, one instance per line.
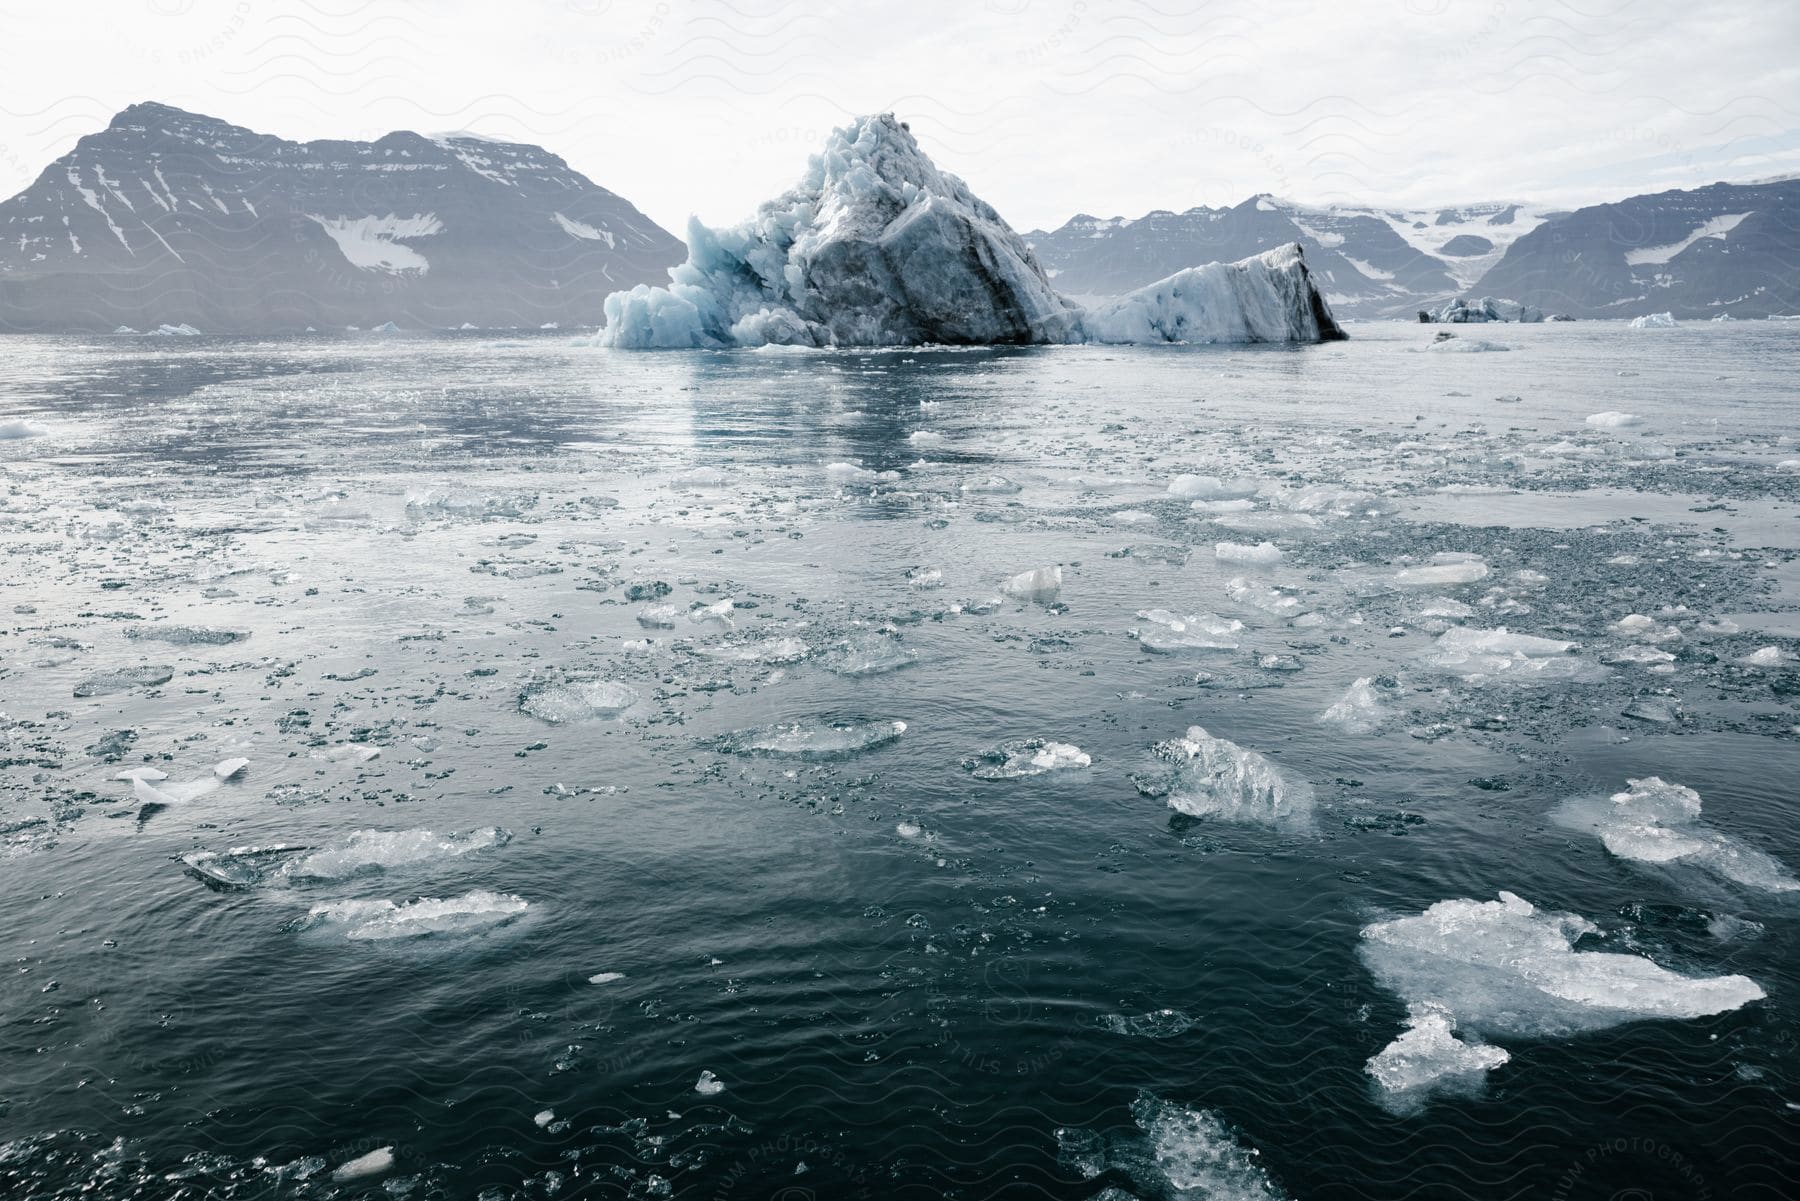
pixel 875 246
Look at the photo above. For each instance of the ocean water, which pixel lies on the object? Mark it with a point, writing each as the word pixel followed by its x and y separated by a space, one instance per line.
pixel 664 778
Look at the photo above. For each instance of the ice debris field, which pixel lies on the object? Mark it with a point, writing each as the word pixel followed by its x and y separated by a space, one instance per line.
pixel 1133 771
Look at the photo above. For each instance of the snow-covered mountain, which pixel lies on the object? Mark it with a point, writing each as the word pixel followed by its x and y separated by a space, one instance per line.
pixel 1370 262
pixel 169 217
pixel 875 246
pixel 1725 248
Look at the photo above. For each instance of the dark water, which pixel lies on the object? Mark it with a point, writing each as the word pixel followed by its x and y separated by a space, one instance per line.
pixel 910 981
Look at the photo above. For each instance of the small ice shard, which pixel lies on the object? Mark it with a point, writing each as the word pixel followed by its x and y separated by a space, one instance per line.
pixel 543 1118
pixel 1358 711
pixel 1654 821
pixel 1207 776
pixel 373 1164
pixel 1261 554
pixel 846 475
pixel 709 1085
pixel 381 920
pixel 1197 1155
pixel 560 703
pixel 605 977
pixel 1169 632
pixel 1157 1024
pixel 1444 570
pixel 811 739
pixel 1036 587
pixel 908 830
pixel 1612 419
pixel 1028 757
pixel 229 768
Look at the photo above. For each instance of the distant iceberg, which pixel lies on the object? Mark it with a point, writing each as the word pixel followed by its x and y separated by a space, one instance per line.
pixel 877 247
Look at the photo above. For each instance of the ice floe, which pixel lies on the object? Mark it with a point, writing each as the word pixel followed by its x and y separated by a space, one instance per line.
pixel 1654 821
pixel 1506 969
pixel 1165 632
pixel 1487 656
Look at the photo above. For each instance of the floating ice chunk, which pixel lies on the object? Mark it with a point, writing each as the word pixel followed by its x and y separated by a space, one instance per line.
pixel 16 428
pixel 925 577
pixel 1447 343
pixel 605 977
pixel 709 1085
pixel 543 1118
pixel 1262 554
pixel 1445 570
pixel 1236 505
pixel 812 739
pixel 868 655
pixel 1654 321
pixel 1028 757
pixel 150 774
pixel 909 830
pixel 1444 606
pixel 1504 968
pixel 1198 1155
pixel 1157 1024
pixel 1654 821
pixel 374 1163
pixel 1038 587
pixel 1214 777
pixel 369 852
pixel 1612 419
pixel 1636 625
pixel 171 794
pixel 769 650
pixel 239 867
pixel 1428 1056
pixel 122 679
pixel 1208 487
pixel 699 478
pixel 559 703
pixel 1481 656
pixel 718 614
pixel 1172 632
pixel 925 438
pixel 1358 711
pixel 846 474
pixel 1768 656
pixel 229 768
pixel 657 617
pixel 993 485
pixel 381 920
pixel 1280 602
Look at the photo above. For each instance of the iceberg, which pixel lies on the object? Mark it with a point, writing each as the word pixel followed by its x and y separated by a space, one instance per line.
pixel 1654 321
pixel 877 247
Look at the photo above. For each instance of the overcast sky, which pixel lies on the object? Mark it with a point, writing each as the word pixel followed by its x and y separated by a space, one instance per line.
pixel 1047 107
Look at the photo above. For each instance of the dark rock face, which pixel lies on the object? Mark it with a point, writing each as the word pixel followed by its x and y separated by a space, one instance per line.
pixel 169 217
pixel 1723 249
pixel 1466 246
